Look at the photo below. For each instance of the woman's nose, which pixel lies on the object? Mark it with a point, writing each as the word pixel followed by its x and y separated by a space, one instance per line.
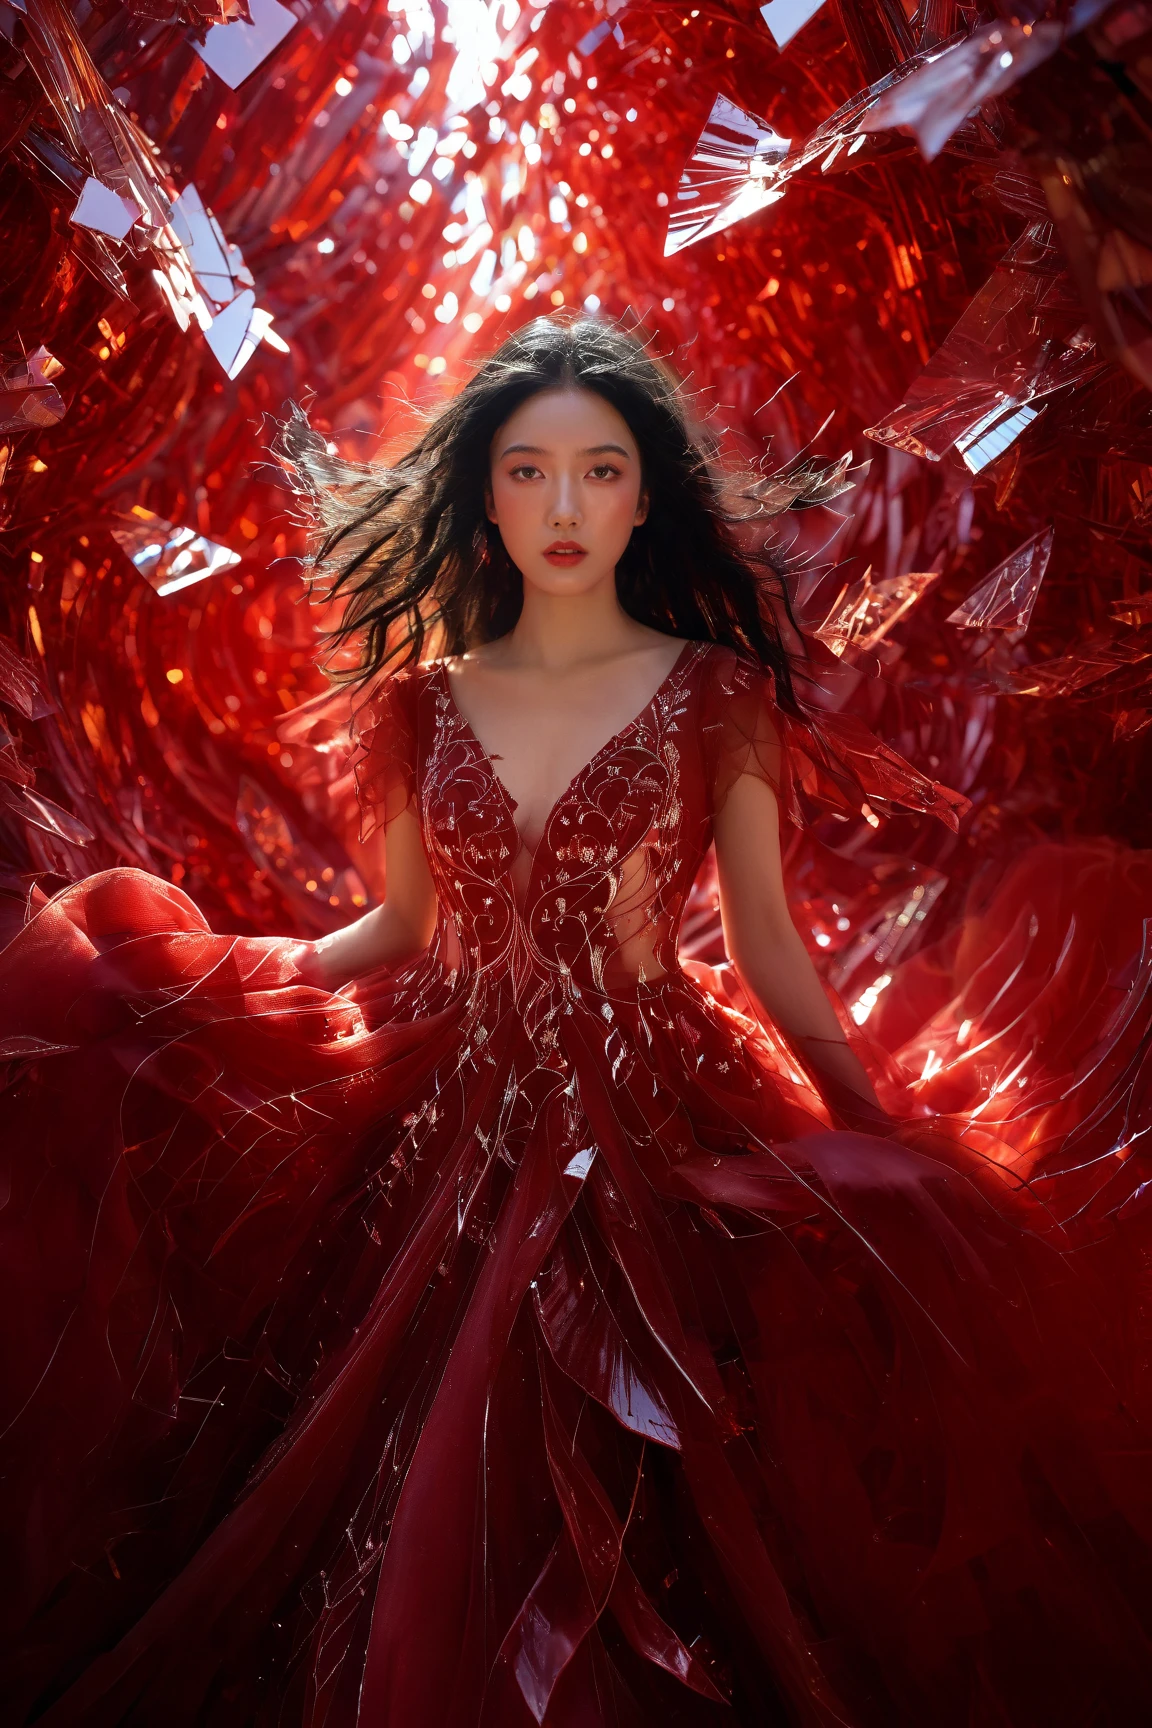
pixel 565 505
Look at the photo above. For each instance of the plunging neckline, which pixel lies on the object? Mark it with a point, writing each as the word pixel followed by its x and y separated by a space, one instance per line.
pixel 510 803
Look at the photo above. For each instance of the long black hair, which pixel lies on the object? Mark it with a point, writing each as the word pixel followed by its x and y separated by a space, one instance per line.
pixel 408 553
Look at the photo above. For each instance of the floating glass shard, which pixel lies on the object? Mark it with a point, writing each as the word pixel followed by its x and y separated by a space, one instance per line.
pixel 44 813
pixel 888 933
pixel 218 265
pixel 98 133
pixel 28 397
pixel 176 282
pixel 21 685
pixel 195 12
pixel 1004 600
pixel 1101 214
pixel 937 100
pixel 741 165
pixel 1130 722
pixel 231 336
pixel 1135 610
pixel 600 32
pixel 785 17
pixel 866 611
pixel 104 211
pixel 234 51
pixel 1021 338
pixel 170 558
pixel 994 433
pixel 196 269
pixel 728 176
pixel 1089 665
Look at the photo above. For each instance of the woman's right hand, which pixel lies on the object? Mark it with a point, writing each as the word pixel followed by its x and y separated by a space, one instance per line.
pixel 312 965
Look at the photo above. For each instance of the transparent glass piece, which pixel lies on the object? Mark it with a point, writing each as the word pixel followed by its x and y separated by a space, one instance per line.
pixel 28 397
pixel 44 813
pixel 1136 610
pixel 785 18
pixel 940 96
pixel 1004 600
pixel 21 685
pixel 234 334
pixel 730 175
pixel 100 143
pixel 1101 214
pixel 168 557
pixel 1021 338
pixel 889 933
pixel 741 165
pixel 209 252
pixel 1130 722
pixel 234 51
pixel 993 434
pixel 1073 672
pixel 98 133
pixel 866 611
pixel 103 210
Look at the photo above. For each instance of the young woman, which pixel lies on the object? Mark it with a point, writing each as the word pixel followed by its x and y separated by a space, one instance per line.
pixel 475 1318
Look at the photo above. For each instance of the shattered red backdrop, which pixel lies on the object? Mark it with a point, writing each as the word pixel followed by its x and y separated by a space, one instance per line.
pixel 923 239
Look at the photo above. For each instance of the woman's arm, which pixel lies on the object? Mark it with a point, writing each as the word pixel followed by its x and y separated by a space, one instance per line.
pixel 399 928
pixel 763 943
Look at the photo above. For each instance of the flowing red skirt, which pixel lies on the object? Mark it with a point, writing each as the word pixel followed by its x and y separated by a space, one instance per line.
pixel 351 1374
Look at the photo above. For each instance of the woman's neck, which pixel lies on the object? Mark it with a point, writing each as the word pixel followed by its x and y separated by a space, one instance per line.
pixel 556 632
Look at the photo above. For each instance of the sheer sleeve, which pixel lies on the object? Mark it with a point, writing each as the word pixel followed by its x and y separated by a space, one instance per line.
pixel 384 764
pixel 814 761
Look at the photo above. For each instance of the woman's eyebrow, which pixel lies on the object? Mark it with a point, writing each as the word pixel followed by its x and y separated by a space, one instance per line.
pixel 539 450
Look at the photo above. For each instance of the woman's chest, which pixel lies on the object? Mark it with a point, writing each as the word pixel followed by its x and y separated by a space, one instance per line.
pixel 636 813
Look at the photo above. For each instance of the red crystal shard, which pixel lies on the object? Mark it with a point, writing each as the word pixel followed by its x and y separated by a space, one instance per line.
pixel 28 396
pixel 936 101
pixel 866 610
pixel 1023 337
pixel 1004 600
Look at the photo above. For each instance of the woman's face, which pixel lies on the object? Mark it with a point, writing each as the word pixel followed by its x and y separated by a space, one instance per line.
pixel 565 490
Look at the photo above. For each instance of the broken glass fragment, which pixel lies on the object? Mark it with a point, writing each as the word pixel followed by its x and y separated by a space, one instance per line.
pixel 218 265
pixel 21 685
pixel 1004 600
pixel 866 610
pixel 728 176
pixel 170 558
pixel 742 165
pixel 324 895
pixel 785 18
pixel 234 51
pixel 1020 339
pixel 231 336
pixel 936 101
pixel 104 211
pixel 28 397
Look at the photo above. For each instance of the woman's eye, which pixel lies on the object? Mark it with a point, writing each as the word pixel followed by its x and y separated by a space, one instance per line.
pixel 605 471
pixel 525 471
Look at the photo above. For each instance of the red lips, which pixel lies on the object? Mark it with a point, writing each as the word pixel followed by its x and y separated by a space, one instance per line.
pixel 565 552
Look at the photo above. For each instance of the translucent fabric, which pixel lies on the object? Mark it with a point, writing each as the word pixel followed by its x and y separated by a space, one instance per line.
pixel 518 1336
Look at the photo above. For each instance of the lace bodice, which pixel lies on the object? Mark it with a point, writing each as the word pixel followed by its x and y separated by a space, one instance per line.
pixel 622 844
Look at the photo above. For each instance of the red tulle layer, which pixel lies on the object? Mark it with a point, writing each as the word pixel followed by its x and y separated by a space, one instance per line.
pixel 682 1406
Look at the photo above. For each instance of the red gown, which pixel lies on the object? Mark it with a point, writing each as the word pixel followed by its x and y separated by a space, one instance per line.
pixel 516 1337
